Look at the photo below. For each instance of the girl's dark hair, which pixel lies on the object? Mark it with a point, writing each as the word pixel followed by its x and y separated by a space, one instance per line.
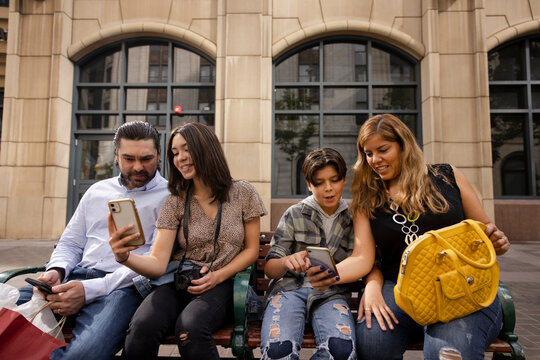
pixel 321 158
pixel 207 157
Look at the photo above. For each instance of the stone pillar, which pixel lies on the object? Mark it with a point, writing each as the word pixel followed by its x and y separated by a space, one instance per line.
pixel 35 137
pixel 455 91
pixel 244 92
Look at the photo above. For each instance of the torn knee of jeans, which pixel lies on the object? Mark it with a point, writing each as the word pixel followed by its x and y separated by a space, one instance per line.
pixel 275 302
pixel 449 354
pixel 183 337
pixel 344 329
pixel 274 331
pixel 340 349
pixel 343 310
pixel 281 349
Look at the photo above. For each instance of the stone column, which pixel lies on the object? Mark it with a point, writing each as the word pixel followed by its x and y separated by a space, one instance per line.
pixel 35 137
pixel 244 92
pixel 455 91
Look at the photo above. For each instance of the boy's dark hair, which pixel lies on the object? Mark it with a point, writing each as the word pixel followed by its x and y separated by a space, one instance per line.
pixel 136 130
pixel 321 158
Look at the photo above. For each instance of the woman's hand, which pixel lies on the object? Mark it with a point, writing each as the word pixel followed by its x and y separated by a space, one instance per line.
pixel 298 262
pixel 321 278
pixel 498 238
pixel 118 243
pixel 372 303
pixel 207 282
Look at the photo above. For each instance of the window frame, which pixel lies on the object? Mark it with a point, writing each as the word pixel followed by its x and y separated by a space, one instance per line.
pixel 76 186
pixel 528 112
pixel 321 85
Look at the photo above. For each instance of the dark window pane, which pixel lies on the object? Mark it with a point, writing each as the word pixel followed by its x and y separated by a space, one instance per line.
pixel 345 98
pixel 388 67
pixel 507 63
pixel 146 99
pixel 507 134
pixel 397 98
pixel 148 63
pixel 300 67
pixel 535 59
pixel 411 121
pixel 340 133
pixel 98 99
pixel 158 121
pixel 192 68
pixel 178 120
pixel 536 150
pixel 102 69
pixel 295 137
pixel 202 99
pixel 97 159
pixel 297 98
pixel 535 96
pixel 345 62
pixel 101 122
pixel 507 97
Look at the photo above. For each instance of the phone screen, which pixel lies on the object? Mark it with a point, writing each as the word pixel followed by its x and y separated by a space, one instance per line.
pixel 43 287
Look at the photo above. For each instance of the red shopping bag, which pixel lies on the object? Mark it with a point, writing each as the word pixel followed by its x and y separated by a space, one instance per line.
pixel 20 339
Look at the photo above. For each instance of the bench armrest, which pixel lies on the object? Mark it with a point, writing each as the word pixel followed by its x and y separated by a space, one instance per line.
pixel 9 274
pixel 238 337
pixel 509 321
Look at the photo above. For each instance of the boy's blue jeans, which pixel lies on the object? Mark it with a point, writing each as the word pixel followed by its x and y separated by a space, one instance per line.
pixel 100 327
pixel 464 338
pixel 284 321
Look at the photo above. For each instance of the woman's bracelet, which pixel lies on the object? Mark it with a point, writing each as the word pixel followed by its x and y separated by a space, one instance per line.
pixel 123 261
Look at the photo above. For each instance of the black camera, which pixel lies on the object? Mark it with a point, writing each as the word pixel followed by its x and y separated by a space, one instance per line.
pixel 183 278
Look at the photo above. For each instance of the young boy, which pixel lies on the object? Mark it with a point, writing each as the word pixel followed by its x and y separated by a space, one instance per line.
pixel 299 292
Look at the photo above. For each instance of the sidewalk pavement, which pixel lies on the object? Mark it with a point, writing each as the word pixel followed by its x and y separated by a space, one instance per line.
pixel 520 271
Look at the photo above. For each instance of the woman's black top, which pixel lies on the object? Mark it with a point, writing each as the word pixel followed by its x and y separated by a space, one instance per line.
pixel 389 238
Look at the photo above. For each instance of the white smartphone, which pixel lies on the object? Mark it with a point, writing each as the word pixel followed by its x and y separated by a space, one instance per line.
pixel 124 213
pixel 321 256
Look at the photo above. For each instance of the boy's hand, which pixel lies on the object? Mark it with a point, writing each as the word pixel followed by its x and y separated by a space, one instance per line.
pixel 298 262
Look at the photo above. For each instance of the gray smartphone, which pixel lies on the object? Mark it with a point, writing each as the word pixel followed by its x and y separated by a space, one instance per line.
pixel 321 256
pixel 124 213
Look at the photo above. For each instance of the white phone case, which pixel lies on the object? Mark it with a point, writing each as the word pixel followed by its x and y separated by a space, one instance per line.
pixel 124 213
pixel 321 256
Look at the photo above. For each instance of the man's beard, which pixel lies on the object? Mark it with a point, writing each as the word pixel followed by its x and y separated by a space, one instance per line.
pixel 129 178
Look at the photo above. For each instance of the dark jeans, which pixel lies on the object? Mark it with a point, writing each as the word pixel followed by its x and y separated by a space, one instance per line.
pixel 166 309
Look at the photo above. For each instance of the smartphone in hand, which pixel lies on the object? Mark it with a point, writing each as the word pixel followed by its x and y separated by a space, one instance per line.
pixel 43 287
pixel 321 256
pixel 124 213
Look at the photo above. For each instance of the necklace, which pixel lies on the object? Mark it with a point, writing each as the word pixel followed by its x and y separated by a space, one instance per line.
pixel 400 219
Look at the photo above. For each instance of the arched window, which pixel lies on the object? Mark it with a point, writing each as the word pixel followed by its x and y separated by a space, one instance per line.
pixel 143 79
pixel 514 86
pixel 324 90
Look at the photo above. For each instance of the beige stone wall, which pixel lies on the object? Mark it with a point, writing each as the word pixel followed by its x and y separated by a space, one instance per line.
pixel 450 38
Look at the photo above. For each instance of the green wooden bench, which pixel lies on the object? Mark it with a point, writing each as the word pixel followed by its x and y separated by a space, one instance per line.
pixel 242 336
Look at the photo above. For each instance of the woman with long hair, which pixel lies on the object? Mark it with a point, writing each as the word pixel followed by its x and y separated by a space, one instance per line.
pixel 210 224
pixel 391 177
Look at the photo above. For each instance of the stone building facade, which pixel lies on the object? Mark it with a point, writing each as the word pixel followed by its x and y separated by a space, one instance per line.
pixel 433 62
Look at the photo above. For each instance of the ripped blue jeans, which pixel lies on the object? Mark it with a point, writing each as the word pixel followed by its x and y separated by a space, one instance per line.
pixel 284 321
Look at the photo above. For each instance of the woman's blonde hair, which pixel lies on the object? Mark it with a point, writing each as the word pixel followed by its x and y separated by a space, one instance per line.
pixel 415 187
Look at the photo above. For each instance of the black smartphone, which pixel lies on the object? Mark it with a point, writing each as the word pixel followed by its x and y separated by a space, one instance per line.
pixel 43 287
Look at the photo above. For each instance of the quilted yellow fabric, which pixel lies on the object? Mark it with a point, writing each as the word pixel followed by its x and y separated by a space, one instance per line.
pixel 447 274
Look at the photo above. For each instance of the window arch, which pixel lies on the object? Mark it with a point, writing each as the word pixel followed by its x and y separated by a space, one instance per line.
pixel 514 86
pixel 325 90
pixel 140 79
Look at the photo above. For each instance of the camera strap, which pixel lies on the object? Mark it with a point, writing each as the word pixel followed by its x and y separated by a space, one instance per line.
pixel 186 230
